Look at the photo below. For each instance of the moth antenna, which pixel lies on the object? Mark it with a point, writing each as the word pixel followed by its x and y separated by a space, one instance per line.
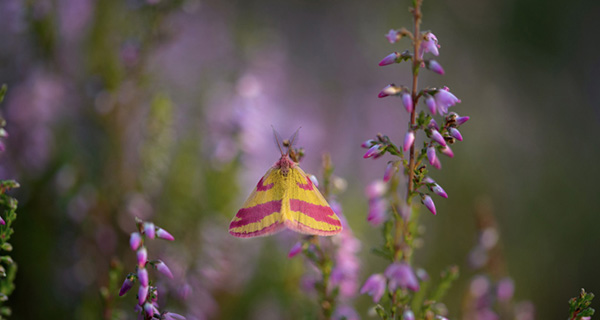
pixel 293 138
pixel 276 135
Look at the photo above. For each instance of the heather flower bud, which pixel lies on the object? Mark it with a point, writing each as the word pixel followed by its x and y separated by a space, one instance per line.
pixel 435 67
pixel 149 229
pixel 431 155
pixel 461 120
pixel 389 90
pixel 430 102
pixel 374 286
pixel 437 137
pixel 455 134
pixel 429 44
pixel 505 289
pixel 127 285
pixel 408 315
pixel 149 309
pixel 428 202
pixel 173 316
pixel 135 240
pixel 409 139
pixel 437 189
pixel 433 125
pixel 407 102
pixel 376 189
pixel 142 294
pixel 369 143
pixel 314 180
pixel 374 150
pixel 162 268
pixel 142 256
pixel 377 211
pixel 444 100
pixel 2 222
pixel 389 59
pixel 437 163
pixel 143 276
pixel 447 151
pixel 401 275
pixel 390 170
pixel 163 234
pixel 295 250
pixel 392 36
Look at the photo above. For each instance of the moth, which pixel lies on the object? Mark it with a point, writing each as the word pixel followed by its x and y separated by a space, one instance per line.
pixel 285 197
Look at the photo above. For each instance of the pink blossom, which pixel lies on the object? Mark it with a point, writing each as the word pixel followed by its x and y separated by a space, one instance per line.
pixel 163 234
pixel 135 240
pixel 389 90
pixel 430 102
pixel 435 67
pixel 369 143
pixel 149 230
pixel 374 150
pixel 444 99
pixel 295 250
pixel 462 120
pixel 433 125
pixel 409 139
pixel 143 276
pixel 389 59
pixel 429 44
pixel 375 189
pixel 428 202
pixel 431 155
pixel 455 134
pixel 390 170
pixel 437 137
pixel 377 211
pixel 408 315
pixel 374 286
pixel 505 289
pixel 401 275
pixel 407 102
pixel 149 309
pixel 142 256
pixel 392 36
pixel 142 294
pixel 162 268
pixel 437 189
pixel 447 151
pixel 173 316
pixel 437 163
pixel 127 285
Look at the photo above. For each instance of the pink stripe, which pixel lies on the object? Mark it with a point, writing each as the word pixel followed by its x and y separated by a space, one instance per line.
pixel 261 187
pixel 275 227
pixel 307 186
pixel 302 228
pixel 319 213
pixel 256 213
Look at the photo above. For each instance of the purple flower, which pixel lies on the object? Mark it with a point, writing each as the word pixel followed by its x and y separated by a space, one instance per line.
pixel 445 150
pixel 389 90
pixel 149 309
pixel 433 125
pixel 401 275
pixel 377 211
pixel 135 240
pixel 437 163
pixel 407 102
pixel 369 143
pixel 143 276
pixel 430 102
pixel 374 286
pixel 408 315
pixel 390 170
pixel 389 59
pixel 437 137
pixel 172 316
pixel 142 256
pixel 422 274
pixel 392 36
pixel 437 189
pixel 431 155
pixel 444 100
pixel 163 234
pixel 149 230
pixel 162 268
pixel 409 139
pixel 127 285
pixel 374 150
pixel 435 67
pixel 428 202
pixel 505 289
pixel 2 222
pixel 314 179
pixel 461 120
pixel 297 248
pixel 142 294
pixel 345 312
pixel 375 189
pixel 455 134
pixel 429 44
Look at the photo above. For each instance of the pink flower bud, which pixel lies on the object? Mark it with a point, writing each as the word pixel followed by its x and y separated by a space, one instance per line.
pixel 455 134
pixel 162 268
pixel 372 151
pixel 430 102
pixel 369 143
pixel 142 294
pixel 142 257
pixel 2 222
pixel 408 315
pixel 390 170
pixel 135 240
pixel 149 310
pixel 143 276
pixel 428 202
pixel 374 286
pixel 389 59
pixel 376 189
pixel 127 285
pixel 437 137
pixel 295 250
pixel 392 36
pixel 444 100
pixel 435 67
pixel 173 316
pixel 149 230
pixel 447 151
pixel 409 139
pixel 377 211
pixel 431 155
pixel 461 120
pixel 163 234
pixel 433 125
pixel 437 163
pixel 437 189
pixel 389 90
pixel 407 102
pixel 429 44
pixel 314 180
pixel 401 275
pixel 505 289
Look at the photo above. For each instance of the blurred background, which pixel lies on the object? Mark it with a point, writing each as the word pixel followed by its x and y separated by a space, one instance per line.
pixel 162 110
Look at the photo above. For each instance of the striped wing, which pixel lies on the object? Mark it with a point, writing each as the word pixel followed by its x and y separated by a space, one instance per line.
pixel 261 214
pixel 304 208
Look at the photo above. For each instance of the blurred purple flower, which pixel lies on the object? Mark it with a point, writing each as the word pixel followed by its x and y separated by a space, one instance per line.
pixel 431 155
pixel 149 229
pixel 444 99
pixel 142 257
pixel 2 222
pixel 135 240
pixel 478 257
pixel 374 150
pixel 162 268
pixel 295 250
pixel 436 188
pixel 407 102
pixel 172 316
pixel 127 285
pixel 389 90
pixel 143 276
pixel 401 275
pixel 142 294
pixel 445 150
pixel 437 137
pixel 163 234
pixel 435 67
pixel 374 286
pixel 149 309
pixel 430 102
pixel 428 202
pixel 480 286
pixel 455 134
pixel 486 314
pixel 377 211
pixel 429 44
pixel 462 120
pixel 408 315
pixel 389 59
pixel 505 289
pixel 392 36
pixel 422 274
pixel 437 163
pixel 375 189
pixel 345 312
pixel 409 139
pixel 390 170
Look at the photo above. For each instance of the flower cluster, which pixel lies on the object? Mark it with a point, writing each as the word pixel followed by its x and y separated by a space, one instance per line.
pixel 147 293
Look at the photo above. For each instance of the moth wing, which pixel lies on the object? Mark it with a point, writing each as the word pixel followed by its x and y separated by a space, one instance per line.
pixel 261 214
pixel 306 210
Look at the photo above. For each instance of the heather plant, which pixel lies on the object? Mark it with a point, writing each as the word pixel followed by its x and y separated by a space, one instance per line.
pixel 402 290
